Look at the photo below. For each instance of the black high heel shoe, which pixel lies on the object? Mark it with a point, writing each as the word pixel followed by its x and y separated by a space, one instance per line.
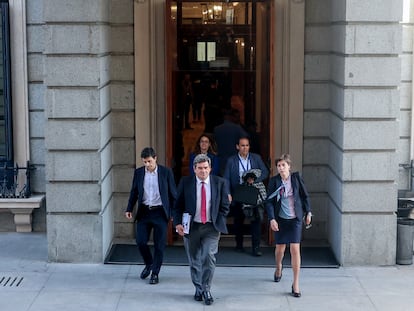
pixel 296 294
pixel 278 278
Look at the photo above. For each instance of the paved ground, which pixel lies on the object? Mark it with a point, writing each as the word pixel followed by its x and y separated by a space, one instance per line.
pixel 29 283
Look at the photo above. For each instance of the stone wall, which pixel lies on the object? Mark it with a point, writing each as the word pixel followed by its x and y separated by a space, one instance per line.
pixel 351 105
pixel 356 122
pixel 405 154
pixel 120 166
pixel 316 112
pixel 88 83
pixel 36 91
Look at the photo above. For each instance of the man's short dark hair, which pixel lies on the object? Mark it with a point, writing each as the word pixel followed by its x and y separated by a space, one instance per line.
pixel 148 152
pixel 201 158
pixel 244 137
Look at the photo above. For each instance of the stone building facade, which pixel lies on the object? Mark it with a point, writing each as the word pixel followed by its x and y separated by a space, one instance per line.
pixel 94 75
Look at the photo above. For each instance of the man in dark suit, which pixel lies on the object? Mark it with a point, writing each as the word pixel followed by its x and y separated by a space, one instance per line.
pixel 205 199
pixel 236 166
pixel 227 136
pixel 153 187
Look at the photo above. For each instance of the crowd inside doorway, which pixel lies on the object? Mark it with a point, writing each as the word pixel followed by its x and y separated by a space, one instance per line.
pixel 211 120
pixel 206 104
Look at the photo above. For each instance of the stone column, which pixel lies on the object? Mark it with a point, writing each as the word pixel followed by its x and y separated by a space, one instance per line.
pixel 89 79
pixel 316 113
pixel 75 63
pixel 365 75
pixel 406 131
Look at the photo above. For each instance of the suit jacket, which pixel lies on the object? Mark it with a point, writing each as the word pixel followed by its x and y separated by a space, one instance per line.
pixel 187 201
pixel 166 186
pixel 227 136
pixel 300 195
pixel 231 172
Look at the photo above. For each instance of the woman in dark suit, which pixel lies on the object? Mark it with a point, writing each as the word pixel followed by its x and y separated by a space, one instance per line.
pixel 286 210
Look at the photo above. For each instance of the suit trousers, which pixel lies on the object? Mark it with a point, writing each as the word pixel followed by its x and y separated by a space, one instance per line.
pixel 152 220
pixel 201 246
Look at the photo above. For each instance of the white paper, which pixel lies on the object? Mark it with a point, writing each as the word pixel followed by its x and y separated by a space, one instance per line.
pixel 186 222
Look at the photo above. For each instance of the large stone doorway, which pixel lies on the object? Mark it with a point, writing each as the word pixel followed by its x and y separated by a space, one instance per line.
pixel 218 56
pixel 268 84
pixel 223 48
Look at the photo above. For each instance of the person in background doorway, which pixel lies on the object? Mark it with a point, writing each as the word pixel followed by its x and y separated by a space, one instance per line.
pixel 227 136
pixel 205 198
pixel 254 211
pixel 187 98
pixel 178 150
pixel 237 165
pixel 285 212
pixel 154 191
pixel 251 129
pixel 212 107
pixel 198 98
pixel 205 145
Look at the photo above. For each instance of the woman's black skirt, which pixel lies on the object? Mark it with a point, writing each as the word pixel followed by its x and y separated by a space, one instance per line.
pixel 290 231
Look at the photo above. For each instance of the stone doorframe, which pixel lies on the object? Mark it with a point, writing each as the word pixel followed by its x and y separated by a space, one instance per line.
pixel 20 106
pixel 287 77
pixel 149 51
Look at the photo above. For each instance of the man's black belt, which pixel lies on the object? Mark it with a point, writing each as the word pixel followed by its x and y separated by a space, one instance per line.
pixel 152 207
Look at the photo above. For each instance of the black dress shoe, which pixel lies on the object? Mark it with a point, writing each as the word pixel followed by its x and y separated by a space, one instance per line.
pixel 239 249
pixel 154 279
pixel 296 294
pixel 145 272
pixel 198 296
pixel 208 299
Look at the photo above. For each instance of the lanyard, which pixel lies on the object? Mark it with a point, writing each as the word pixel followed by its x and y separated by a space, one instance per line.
pixel 245 169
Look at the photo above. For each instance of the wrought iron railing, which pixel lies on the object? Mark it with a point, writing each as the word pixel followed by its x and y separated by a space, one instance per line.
pixel 15 181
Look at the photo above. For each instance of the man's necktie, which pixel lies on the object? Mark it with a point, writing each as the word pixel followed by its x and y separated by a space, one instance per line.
pixel 203 204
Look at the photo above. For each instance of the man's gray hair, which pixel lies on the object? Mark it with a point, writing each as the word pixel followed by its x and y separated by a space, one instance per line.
pixel 201 158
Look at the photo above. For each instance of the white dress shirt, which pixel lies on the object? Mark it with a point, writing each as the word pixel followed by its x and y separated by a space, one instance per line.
pixel 151 195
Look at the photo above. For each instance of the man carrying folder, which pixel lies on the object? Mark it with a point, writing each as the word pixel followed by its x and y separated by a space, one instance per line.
pixel 205 198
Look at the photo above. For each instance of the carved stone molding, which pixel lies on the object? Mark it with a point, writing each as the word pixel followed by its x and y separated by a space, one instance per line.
pixel 20 106
pixel 288 71
pixel 149 37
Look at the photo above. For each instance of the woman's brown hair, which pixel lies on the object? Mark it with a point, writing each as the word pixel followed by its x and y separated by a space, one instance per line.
pixel 211 149
pixel 284 157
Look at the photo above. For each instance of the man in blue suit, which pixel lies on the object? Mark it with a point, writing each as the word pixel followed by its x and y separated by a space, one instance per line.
pixel 236 166
pixel 153 187
pixel 204 200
